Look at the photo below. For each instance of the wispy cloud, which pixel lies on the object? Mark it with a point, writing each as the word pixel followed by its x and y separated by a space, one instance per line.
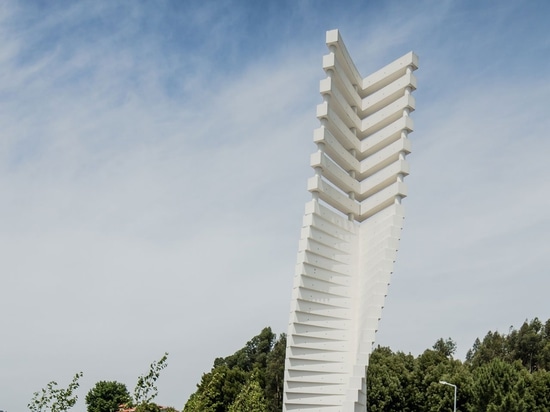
pixel 153 164
pixel 133 210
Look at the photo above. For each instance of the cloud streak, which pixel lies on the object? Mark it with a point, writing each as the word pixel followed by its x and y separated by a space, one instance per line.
pixel 153 166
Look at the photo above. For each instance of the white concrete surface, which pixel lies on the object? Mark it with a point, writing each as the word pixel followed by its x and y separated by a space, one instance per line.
pixel 350 231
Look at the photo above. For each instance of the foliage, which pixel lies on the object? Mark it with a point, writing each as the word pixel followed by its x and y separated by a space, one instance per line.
pixel 217 390
pixel 146 390
pixel 55 399
pixel 446 347
pixel 530 345
pixel 107 396
pixel 250 398
pixel 250 378
pixel 170 409
pixel 501 386
pixel 503 372
pixel 253 354
pixel 274 375
pixel 148 407
pixel 390 376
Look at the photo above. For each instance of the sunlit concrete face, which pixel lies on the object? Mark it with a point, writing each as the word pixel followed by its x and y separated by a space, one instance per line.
pixel 350 231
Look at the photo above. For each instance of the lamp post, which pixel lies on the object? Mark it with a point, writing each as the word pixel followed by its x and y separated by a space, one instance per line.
pixel 454 386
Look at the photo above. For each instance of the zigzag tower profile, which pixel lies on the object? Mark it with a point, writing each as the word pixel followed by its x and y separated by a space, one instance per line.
pixel 351 230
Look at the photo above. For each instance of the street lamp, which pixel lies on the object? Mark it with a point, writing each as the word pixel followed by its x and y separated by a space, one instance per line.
pixel 454 386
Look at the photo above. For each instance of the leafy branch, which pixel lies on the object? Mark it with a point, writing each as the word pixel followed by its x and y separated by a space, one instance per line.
pixel 55 399
pixel 146 389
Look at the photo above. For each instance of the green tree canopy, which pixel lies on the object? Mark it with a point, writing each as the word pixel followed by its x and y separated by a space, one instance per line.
pixel 235 379
pixel 250 399
pixel 446 347
pixel 507 372
pixel 501 386
pixel 503 372
pixel 107 396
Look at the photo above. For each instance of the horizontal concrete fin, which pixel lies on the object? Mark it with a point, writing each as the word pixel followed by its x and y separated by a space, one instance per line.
pixel 389 255
pixel 340 103
pixel 335 278
pixel 383 158
pixel 332 312
pixel 304 317
pixel 384 235
pixel 337 127
pixel 332 196
pixel 326 251
pixel 334 38
pixel 334 217
pixel 308 342
pixel 381 227
pixel 316 260
pixel 333 332
pixel 304 330
pixel 343 82
pixel 334 172
pixel 395 214
pixel 312 400
pixel 308 287
pixel 385 254
pixel 381 179
pixel 315 365
pixel 315 388
pixel 324 238
pixel 385 136
pixel 311 301
pixel 388 94
pixel 388 242
pixel 330 227
pixel 335 148
pixel 382 199
pixel 387 115
pixel 295 375
pixel 337 355
pixel 389 73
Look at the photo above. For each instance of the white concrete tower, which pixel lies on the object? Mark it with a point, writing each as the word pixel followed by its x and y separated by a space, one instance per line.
pixel 350 232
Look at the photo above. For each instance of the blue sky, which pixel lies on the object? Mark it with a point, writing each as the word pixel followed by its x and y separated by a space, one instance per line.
pixel 153 167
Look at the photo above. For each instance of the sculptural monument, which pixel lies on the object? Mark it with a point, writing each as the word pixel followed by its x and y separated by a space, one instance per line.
pixel 351 230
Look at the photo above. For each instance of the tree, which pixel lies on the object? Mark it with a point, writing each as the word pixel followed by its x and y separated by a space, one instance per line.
pixel 218 390
pixel 148 407
pixel 493 346
pixel 250 399
pixel 389 380
pixel 262 357
pixel 440 397
pixel 540 389
pixel 195 403
pixel 274 375
pixel 501 386
pixel 146 390
pixel 400 382
pixel 253 354
pixel 55 399
pixel 446 347
pixel 503 372
pixel 107 396
pixel 526 344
